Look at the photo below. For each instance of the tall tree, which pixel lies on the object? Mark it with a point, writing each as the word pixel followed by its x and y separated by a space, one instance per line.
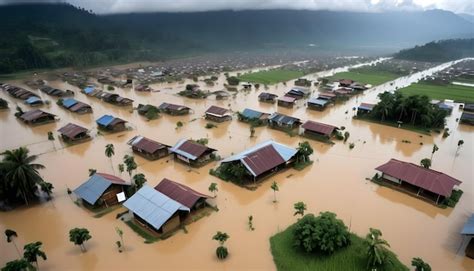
pixel 109 152
pixel 426 163
pixel 11 236
pixel 213 188
pixel 78 236
pixel 275 188
pixel 18 265
pixel 300 207
pixel 139 180
pixel 20 173
pixel 435 149
pixel 304 151
pixel 376 248
pixel 32 251
pixel 130 164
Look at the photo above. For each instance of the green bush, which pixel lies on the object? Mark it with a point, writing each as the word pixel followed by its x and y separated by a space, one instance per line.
pixel 453 199
pixel 324 233
pixel 222 252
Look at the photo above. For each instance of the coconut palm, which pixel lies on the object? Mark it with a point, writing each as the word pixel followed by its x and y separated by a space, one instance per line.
pixel 435 149
pixel 426 163
pixel 275 188
pixel 139 180
pixel 109 152
pixel 420 265
pixel 130 164
pixel 32 251
pixel 78 236
pixel 11 236
pixel 300 207
pixel 376 248
pixel 304 151
pixel 20 173
pixel 18 265
pixel 47 188
pixel 213 189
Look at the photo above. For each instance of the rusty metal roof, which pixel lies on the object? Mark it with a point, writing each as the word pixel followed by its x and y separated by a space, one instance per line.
pixel 318 127
pixel 287 99
pixel 71 130
pixel 179 192
pixel 428 179
pixel 217 111
pixel 190 149
pixel 175 107
pixel 146 144
pixel 34 114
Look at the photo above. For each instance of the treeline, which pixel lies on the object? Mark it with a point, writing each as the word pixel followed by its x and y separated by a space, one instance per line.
pixel 439 51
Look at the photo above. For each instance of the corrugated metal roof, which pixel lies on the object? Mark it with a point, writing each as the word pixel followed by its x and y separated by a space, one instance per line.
pixel 284 119
pixel 318 101
pixel 69 102
pixel 287 99
pixel 428 179
pixel 105 120
pixel 153 206
pixel 78 106
pixel 179 192
pixel 89 89
pixel 71 130
pixel 189 149
pixel 267 95
pixel 34 114
pixel 33 99
pixel 366 106
pixel 318 127
pixel 175 107
pixel 263 156
pixel 468 228
pixel 251 114
pixel 146 144
pixel 217 111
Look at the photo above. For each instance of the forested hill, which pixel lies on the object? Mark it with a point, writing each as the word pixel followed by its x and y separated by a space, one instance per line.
pixel 57 35
pixel 439 51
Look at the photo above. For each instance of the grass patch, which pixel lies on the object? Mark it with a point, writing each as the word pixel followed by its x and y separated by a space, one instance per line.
pixel 149 238
pixel 405 126
pixel 365 77
pixel 441 92
pixel 350 258
pixel 271 76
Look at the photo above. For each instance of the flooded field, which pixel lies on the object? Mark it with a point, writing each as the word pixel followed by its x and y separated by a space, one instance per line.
pixel 335 182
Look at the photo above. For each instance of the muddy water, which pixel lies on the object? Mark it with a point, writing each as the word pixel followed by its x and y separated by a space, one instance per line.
pixel 335 182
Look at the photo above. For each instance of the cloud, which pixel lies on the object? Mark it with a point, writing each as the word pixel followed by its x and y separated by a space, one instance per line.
pixel 124 6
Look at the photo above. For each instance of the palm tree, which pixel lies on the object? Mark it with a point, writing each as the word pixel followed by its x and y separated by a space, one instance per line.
pixel 275 188
pixel 426 163
pixel 460 143
pixel 213 189
pixel 32 251
pixel 21 174
pixel 376 248
pixel 300 207
pixel 78 236
pixel 18 265
pixel 11 236
pixel 109 152
pixel 121 168
pixel 304 151
pixel 139 180
pixel 130 164
pixel 435 149
pixel 47 188
pixel 420 265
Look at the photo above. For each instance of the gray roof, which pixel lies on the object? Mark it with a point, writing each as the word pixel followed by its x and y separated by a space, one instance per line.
pixel 468 228
pixel 93 188
pixel 317 101
pixel 153 206
pixel 284 119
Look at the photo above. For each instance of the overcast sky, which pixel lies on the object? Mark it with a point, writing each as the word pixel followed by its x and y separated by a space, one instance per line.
pixel 123 6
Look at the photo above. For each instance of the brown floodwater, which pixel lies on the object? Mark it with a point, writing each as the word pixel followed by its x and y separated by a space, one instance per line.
pixel 336 182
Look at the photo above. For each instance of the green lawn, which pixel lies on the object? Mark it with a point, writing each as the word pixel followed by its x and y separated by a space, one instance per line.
pixel 351 258
pixel 452 92
pixel 271 76
pixel 366 77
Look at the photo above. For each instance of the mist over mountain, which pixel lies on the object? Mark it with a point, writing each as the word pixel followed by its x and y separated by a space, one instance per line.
pixel 57 35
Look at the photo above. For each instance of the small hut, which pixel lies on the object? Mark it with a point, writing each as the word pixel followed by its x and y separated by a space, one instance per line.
pixel 277 120
pixel 76 106
pixel 318 129
pixel 111 124
pixel 192 153
pixel 174 109
pixel 37 117
pixel 267 97
pixel 317 103
pixel 365 108
pixel 253 116
pixel 101 190
pixel 286 101
pixel 298 92
pixel 72 133
pixel 34 101
pixel 218 114
pixel 148 148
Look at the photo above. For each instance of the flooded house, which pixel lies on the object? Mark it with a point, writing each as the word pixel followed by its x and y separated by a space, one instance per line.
pixel 302 82
pixel 143 88
pixel 111 124
pixel 192 153
pixel 365 108
pixel 155 211
pixel 317 103
pixel 267 97
pixel 218 114
pixel 56 92
pixel 467 118
pixel 280 121
pixel 253 116
pixel 468 231
pixel 298 92
pixel 182 194
pixel 73 133
pixel 174 109
pixel 417 180
pixel 143 109
pixel 468 108
pixel 345 82
pixel 18 93
pixel 90 91
pixel 37 117
pixel 263 159
pixel 148 148
pixel 34 101
pixel 286 101
pixel 446 107
pixel 115 99
pixel 357 86
pixel 76 106
pixel 101 190
pixel 318 129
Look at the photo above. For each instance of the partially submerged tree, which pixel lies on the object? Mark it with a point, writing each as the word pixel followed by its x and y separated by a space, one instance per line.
pixel 20 174
pixel 139 180
pixel 11 235
pixel 109 152
pixel 420 265
pixel 32 251
pixel 250 223
pixel 130 164
pixel 300 207
pixel 221 251
pixel 275 188
pixel 18 265
pixel 78 236
pixel 426 163
pixel 460 143
pixel 213 188
pixel 304 151
pixel 435 149
pixel 376 249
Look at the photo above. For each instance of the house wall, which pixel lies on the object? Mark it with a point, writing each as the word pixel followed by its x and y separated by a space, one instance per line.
pixel 171 224
pixel 110 195
pixel 218 119
pixel 390 178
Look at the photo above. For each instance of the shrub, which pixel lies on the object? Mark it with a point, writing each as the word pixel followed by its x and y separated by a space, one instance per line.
pixel 110 87
pixel 453 199
pixel 210 125
pixel 222 252
pixel 324 233
pixel 351 146
pixel 233 81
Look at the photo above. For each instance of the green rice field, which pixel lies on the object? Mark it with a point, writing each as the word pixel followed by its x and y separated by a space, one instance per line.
pixel 365 77
pixel 439 92
pixel 271 76
pixel 351 258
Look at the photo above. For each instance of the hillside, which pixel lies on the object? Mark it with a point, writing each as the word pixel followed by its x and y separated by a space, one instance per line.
pixel 57 35
pixel 439 51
